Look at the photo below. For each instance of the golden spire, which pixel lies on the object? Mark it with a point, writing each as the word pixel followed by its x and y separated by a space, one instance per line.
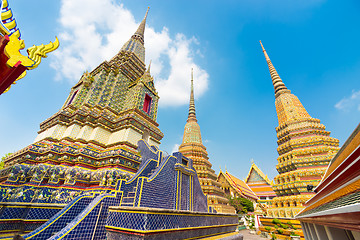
pixel 141 29
pixel 192 132
pixel 192 114
pixel 279 86
pixel 148 70
pixel 136 43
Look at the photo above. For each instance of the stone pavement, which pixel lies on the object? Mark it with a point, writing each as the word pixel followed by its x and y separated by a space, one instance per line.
pixel 248 236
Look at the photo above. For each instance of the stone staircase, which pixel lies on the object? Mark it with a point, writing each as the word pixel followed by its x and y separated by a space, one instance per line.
pixel 128 201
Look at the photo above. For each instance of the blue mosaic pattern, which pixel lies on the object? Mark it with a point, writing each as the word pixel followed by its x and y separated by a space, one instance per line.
pixel 185 189
pixel 134 219
pixel 90 222
pixel 166 185
pixel 41 213
pixel 161 182
pixel 4 226
pixel 176 235
pixel 10 212
pixel 61 219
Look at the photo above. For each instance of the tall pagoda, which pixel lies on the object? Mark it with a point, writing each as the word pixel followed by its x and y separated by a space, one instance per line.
pixel 192 147
pixel 114 105
pixel 78 176
pixel 92 140
pixel 305 149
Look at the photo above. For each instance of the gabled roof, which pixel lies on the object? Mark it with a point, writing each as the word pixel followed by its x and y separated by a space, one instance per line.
pixel 240 186
pixel 337 198
pixel 255 171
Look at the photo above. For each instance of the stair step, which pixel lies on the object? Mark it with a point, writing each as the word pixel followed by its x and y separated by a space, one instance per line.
pixel 131 194
pixel 127 204
pixel 128 200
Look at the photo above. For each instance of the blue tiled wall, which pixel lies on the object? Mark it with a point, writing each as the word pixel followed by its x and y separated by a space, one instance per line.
pixel 61 219
pixel 161 182
pixel 169 185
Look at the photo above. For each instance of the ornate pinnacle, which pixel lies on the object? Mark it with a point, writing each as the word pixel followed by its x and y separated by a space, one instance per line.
pixel 279 86
pixel 192 114
pixel 148 70
pixel 141 29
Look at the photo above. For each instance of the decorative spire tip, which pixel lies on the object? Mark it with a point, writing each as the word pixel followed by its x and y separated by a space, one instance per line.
pixel 147 12
pixel 192 114
pixel 192 74
pixel 149 67
pixel 262 46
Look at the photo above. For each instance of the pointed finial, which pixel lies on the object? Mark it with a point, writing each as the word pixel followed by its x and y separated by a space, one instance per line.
pixel 192 114
pixel 146 13
pixel 279 86
pixel 220 168
pixel 225 168
pixel 252 161
pixel 192 81
pixel 149 67
pixel 141 29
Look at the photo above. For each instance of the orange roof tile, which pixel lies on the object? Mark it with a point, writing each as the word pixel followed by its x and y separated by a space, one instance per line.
pixel 240 186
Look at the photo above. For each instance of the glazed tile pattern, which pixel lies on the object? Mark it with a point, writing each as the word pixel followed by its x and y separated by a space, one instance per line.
pixel 149 220
pixel 192 147
pixel 163 182
pixel 85 157
pixel 305 149
pixel 172 184
pixel 85 217
pixel 173 235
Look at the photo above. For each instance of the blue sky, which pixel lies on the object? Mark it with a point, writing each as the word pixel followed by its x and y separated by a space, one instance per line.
pixel 313 45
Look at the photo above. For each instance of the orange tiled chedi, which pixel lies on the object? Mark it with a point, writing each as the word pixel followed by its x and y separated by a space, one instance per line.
pixel 305 149
pixel 192 147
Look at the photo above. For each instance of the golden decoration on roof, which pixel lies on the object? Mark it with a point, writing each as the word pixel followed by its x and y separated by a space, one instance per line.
pixel 12 49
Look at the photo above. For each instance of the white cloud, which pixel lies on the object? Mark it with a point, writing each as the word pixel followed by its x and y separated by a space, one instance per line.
pixel 175 148
pixel 90 33
pixel 349 103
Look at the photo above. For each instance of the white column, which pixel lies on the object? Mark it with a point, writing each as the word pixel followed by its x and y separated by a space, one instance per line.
pixel 305 231
pixel 312 232
pixel 356 235
pixel 336 233
pixel 320 232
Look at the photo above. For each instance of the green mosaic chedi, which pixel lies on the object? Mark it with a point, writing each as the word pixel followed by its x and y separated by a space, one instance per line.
pixel 88 145
pixel 116 103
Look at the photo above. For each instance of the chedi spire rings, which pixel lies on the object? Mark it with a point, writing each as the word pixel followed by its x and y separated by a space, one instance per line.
pixel 279 86
pixel 192 113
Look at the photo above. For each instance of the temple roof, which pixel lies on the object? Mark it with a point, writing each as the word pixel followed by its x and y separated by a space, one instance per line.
pixel 255 170
pixel 240 186
pixel 349 146
pixel 337 196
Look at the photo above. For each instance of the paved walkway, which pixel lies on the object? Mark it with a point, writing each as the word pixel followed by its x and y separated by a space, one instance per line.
pixel 248 236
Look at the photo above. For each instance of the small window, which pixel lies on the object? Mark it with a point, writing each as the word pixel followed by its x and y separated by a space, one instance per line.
pixel 72 97
pixel 147 104
pixel 184 162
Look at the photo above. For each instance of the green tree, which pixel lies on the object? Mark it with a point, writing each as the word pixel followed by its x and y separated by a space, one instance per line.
pixel 2 160
pixel 241 205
